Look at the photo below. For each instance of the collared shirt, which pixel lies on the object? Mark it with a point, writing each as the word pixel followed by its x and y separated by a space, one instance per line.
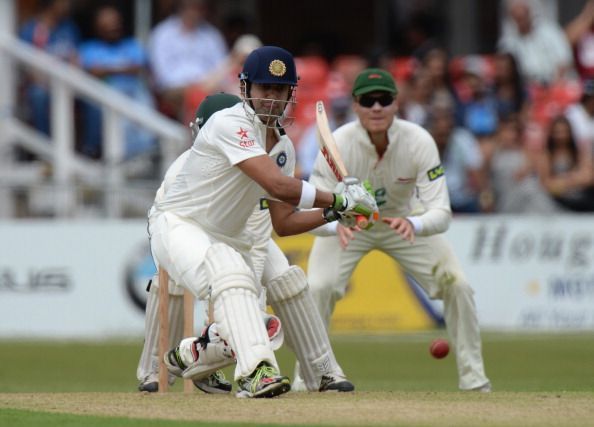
pixel 408 175
pixel 209 189
pixel 179 57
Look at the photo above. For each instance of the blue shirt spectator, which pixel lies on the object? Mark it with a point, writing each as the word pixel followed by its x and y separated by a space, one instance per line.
pixel 462 159
pixel 54 32
pixel 119 61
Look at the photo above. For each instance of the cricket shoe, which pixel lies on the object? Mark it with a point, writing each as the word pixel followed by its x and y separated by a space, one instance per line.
pixel 265 381
pixel 149 386
pixel 150 383
pixel 214 384
pixel 332 382
pixel 485 388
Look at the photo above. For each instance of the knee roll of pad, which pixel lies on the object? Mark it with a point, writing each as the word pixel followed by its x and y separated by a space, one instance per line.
pixel 288 285
pixel 226 269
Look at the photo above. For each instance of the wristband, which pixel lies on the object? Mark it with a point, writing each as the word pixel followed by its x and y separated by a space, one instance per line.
pixel 308 196
pixel 416 223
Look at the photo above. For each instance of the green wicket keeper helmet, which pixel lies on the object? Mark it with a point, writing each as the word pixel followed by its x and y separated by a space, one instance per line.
pixel 269 65
pixel 210 105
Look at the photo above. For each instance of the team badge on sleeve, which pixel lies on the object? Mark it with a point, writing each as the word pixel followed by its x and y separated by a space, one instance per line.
pixel 281 159
pixel 436 172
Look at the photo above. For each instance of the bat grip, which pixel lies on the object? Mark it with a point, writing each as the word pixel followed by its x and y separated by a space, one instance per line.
pixel 362 221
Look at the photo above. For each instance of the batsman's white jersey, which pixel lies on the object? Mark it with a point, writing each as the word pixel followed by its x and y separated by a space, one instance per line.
pixel 409 182
pixel 209 191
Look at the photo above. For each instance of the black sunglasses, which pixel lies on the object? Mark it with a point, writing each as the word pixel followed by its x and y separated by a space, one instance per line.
pixel 368 101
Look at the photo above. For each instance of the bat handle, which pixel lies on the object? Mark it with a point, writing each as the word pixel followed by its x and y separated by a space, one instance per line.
pixel 362 221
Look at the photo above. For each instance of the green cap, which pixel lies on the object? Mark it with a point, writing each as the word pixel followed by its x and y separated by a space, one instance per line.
pixel 373 80
pixel 213 103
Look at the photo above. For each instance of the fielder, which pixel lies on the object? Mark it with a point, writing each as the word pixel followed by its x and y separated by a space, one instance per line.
pixel 198 229
pixel 401 161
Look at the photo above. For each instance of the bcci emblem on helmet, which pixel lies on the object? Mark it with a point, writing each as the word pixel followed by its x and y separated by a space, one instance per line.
pixel 269 65
pixel 277 68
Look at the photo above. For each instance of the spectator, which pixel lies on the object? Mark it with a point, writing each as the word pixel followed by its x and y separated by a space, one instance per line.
pixel 580 34
pixel 120 62
pixel 183 50
pixel 566 169
pixel 53 31
pixel 514 184
pixel 539 45
pixel 509 87
pixel 462 160
pixel 477 110
pixel 414 106
pixel 581 117
pixel 224 77
pixel 436 63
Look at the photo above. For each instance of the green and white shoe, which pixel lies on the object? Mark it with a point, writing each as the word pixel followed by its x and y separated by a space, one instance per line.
pixel 265 381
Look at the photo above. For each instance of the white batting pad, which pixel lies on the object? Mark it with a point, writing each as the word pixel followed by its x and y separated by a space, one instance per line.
pixel 236 311
pixel 304 329
pixel 148 365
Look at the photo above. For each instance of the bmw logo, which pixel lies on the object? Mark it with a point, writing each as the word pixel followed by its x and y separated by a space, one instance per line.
pixel 281 159
pixel 140 268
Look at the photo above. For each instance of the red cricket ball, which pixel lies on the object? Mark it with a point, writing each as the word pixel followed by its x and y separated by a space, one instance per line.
pixel 439 348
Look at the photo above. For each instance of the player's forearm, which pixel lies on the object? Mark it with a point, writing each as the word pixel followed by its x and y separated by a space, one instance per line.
pixel 300 222
pixel 300 193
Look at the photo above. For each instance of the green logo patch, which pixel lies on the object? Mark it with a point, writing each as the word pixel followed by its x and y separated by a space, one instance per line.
pixel 264 204
pixel 435 173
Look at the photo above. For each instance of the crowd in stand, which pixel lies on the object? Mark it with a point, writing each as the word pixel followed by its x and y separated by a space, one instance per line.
pixel 515 128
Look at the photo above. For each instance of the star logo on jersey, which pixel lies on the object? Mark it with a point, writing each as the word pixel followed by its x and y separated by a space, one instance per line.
pixel 243 134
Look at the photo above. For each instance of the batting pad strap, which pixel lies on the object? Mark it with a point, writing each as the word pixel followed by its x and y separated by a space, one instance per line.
pixel 308 195
pixel 174 289
pixel 288 285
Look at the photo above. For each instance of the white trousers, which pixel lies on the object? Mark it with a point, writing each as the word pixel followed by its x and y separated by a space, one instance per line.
pixel 211 268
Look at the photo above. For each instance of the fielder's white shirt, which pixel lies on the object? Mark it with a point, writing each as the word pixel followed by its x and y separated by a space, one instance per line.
pixel 408 177
pixel 209 189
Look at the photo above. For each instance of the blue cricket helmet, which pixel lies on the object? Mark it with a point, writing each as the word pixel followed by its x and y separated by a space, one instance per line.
pixel 269 65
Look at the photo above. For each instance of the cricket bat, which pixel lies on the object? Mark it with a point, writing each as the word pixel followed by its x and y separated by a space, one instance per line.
pixel 330 151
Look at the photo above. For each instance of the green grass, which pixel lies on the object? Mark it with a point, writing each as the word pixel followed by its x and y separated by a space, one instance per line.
pixel 21 418
pixel 520 362
pixel 537 365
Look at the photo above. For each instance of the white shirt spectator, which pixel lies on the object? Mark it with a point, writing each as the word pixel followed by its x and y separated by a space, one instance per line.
pixel 541 52
pixel 180 57
pixel 582 125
